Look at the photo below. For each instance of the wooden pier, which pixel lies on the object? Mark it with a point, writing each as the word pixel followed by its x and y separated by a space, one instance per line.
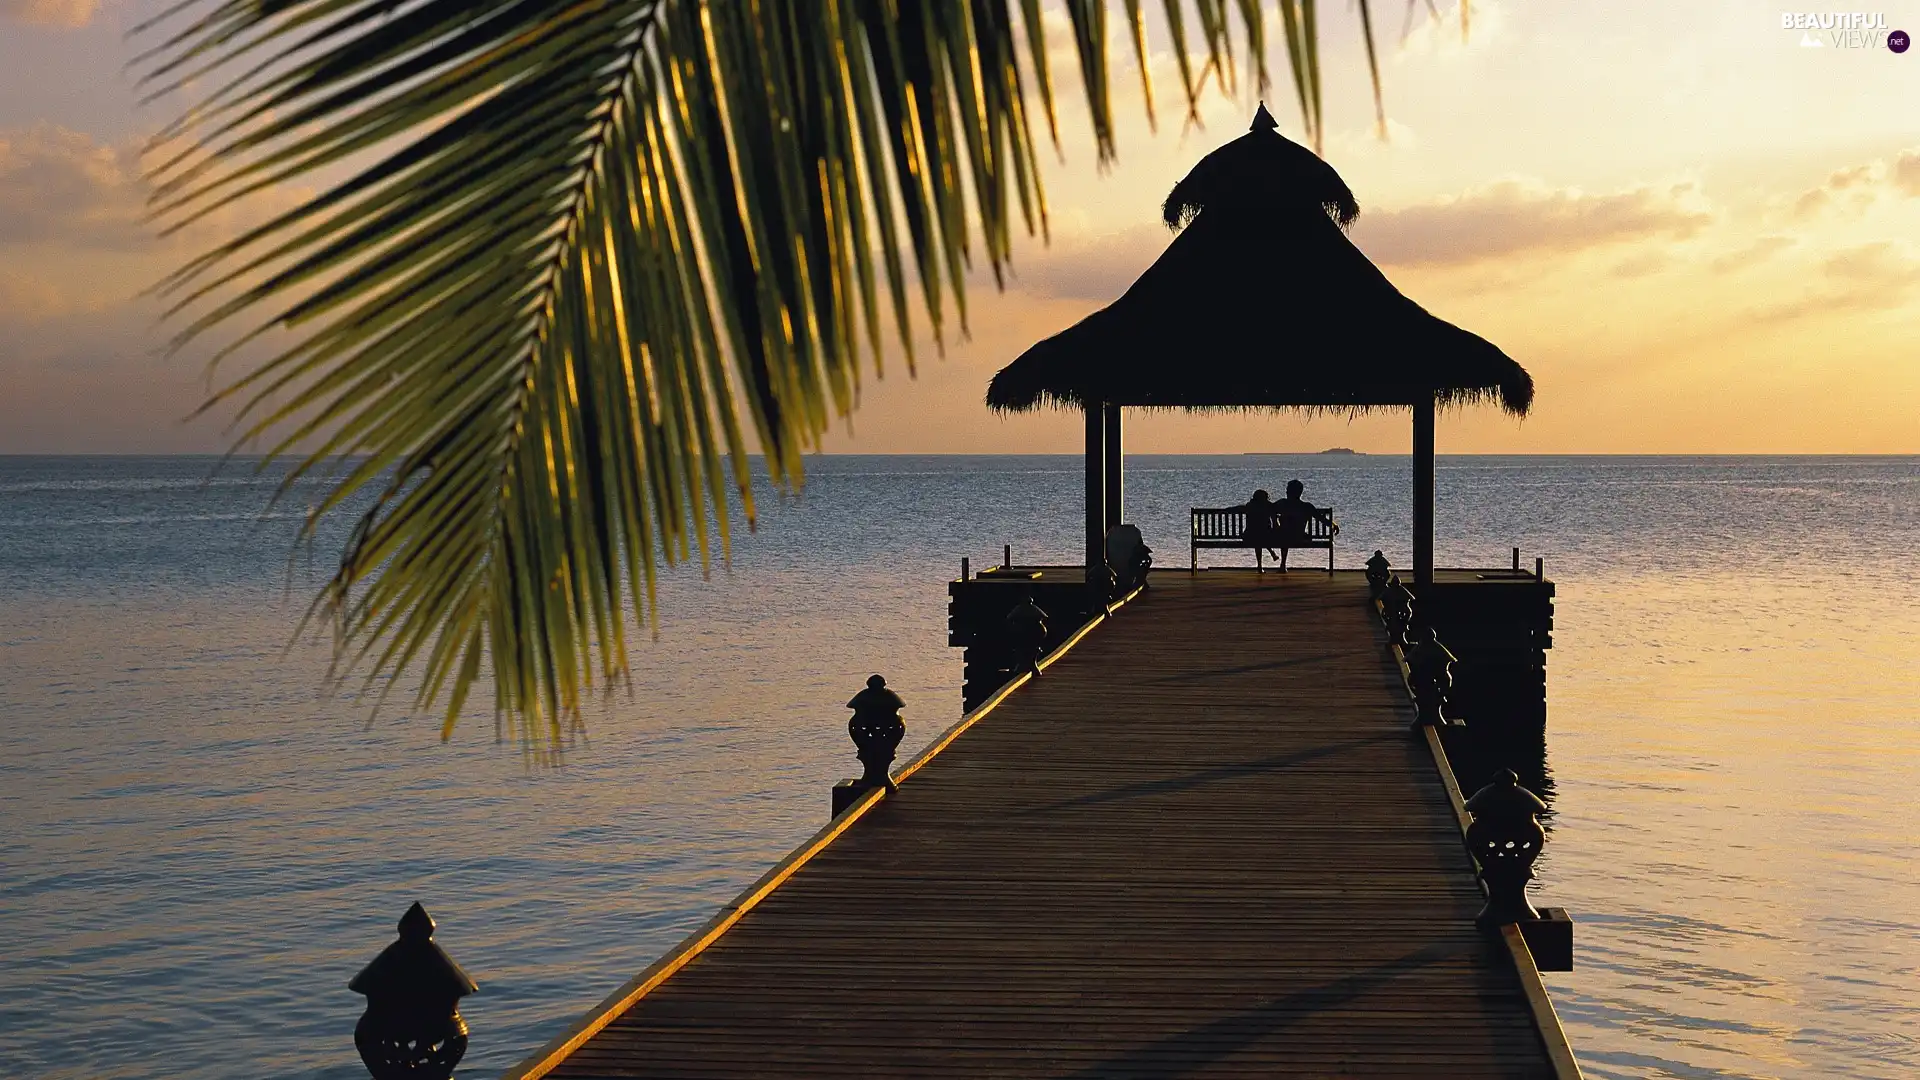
pixel 1203 842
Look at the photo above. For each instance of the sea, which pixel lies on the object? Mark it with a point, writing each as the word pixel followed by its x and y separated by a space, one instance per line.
pixel 202 839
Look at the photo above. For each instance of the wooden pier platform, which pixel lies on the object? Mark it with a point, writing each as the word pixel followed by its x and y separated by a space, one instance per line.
pixel 1203 843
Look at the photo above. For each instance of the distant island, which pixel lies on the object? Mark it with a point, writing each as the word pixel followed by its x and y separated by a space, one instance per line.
pixel 1340 450
pixel 1301 453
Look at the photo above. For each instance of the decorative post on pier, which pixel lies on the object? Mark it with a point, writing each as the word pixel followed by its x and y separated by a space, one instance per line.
pixel 1505 839
pixel 1027 635
pixel 1430 670
pixel 1377 575
pixel 412 1029
pixel 876 730
pixel 1397 610
pixel 1103 587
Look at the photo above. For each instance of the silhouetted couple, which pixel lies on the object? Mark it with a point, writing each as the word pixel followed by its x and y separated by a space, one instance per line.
pixel 1280 524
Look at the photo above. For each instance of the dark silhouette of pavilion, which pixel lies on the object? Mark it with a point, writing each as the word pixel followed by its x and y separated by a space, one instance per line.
pixel 1260 302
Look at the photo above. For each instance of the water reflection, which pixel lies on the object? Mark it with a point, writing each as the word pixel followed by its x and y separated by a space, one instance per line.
pixel 1479 752
pixel 194 838
pixel 1738 760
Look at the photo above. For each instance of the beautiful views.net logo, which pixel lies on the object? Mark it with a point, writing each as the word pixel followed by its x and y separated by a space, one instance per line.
pixel 1844 30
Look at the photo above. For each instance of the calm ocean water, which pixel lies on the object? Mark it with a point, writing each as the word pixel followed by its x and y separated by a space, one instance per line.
pixel 198 848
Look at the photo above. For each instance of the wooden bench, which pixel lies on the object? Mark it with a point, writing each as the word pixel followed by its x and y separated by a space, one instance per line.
pixel 1226 528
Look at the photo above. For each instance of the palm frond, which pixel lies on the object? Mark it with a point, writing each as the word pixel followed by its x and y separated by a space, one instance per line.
pixel 570 261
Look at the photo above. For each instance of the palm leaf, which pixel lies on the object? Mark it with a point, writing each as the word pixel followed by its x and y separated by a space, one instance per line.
pixel 570 261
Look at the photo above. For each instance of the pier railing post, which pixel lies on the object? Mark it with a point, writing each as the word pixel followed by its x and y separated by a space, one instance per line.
pixel 876 730
pixel 1505 839
pixel 1397 611
pixel 1377 574
pixel 412 1029
pixel 1103 587
pixel 1505 835
pixel 1430 671
pixel 1026 636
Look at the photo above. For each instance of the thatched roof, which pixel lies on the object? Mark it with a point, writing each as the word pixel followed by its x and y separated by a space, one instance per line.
pixel 1261 302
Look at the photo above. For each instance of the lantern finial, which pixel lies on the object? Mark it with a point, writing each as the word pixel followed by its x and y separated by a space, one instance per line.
pixel 412 1029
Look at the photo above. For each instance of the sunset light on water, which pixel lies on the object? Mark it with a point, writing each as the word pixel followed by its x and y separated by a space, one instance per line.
pixel 1631 291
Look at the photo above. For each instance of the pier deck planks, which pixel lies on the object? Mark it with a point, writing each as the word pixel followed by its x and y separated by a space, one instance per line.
pixel 1202 844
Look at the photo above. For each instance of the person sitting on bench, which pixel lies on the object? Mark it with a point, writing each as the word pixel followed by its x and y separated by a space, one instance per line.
pixel 1292 516
pixel 1261 531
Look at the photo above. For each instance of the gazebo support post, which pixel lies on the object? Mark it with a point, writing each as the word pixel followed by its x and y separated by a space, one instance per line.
pixel 1423 492
pixel 1116 478
pixel 1096 486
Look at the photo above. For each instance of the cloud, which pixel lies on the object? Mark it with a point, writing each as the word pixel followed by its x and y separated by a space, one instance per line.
pixel 1090 267
pixel 1880 264
pixel 1348 143
pixel 1852 188
pixel 1642 264
pixel 65 187
pixel 68 14
pixel 1752 255
pixel 1870 277
pixel 70 192
pixel 25 299
pixel 1906 173
pixel 1460 30
pixel 1858 187
pixel 1516 216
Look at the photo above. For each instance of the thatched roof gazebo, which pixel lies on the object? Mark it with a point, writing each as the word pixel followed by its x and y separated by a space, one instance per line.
pixel 1261 302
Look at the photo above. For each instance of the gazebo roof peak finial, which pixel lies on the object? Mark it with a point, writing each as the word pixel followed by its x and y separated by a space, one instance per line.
pixel 1263 120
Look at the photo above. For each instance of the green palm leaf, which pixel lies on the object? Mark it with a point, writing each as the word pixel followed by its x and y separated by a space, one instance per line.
pixel 570 260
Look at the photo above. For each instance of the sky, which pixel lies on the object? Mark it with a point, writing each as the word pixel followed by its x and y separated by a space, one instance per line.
pixel 1699 230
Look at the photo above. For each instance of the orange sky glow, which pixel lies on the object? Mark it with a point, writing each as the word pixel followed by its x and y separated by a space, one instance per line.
pixel 1695 229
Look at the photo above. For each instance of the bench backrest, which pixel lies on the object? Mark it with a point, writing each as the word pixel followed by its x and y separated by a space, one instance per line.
pixel 1230 523
pixel 1222 524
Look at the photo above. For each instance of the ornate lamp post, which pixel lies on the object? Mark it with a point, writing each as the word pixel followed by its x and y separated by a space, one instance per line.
pixel 1505 838
pixel 877 729
pixel 1397 610
pixel 1430 669
pixel 1027 634
pixel 1129 559
pixel 412 1029
pixel 1103 586
pixel 1377 574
